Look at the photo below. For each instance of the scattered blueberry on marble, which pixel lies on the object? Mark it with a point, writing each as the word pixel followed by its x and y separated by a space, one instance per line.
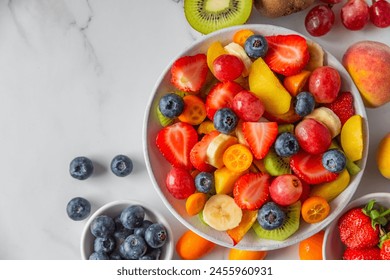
pixel 102 226
pixel 121 165
pixel 78 208
pixel 81 168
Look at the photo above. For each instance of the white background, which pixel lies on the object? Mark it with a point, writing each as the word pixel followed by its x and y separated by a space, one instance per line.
pixel 75 78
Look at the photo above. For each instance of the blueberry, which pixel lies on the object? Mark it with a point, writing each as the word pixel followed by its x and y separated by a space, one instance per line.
pixel 152 254
pixel 102 226
pixel 121 235
pixel 304 103
pixel 156 235
pixel 204 182
pixel 256 46
pixel 105 245
pixel 98 256
pixel 171 105
pixel 141 230
pixel 115 256
pixel 132 216
pixel 270 216
pixel 121 165
pixel 78 208
pixel 334 160
pixel 133 247
pixel 81 168
pixel 286 144
pixel 225 120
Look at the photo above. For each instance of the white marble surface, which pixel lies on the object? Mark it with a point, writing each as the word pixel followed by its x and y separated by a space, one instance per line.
pixel 75 78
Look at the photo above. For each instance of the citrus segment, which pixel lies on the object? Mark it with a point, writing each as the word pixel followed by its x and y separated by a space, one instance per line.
pixel 315 209
pixel 352 138
pixel 237 158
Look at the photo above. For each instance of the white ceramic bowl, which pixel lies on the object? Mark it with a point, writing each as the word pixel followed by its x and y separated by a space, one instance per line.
pixel 158 167
pixel 113 209
pixel 332 247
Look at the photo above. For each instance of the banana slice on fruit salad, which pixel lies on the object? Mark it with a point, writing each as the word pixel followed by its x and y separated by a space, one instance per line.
pixel 221 212
pixel 317 56
pixel 217 147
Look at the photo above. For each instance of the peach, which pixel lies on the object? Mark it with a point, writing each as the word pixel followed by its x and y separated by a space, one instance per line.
pixel 368 63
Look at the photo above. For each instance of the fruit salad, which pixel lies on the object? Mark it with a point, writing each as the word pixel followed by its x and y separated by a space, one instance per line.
pixel 259 135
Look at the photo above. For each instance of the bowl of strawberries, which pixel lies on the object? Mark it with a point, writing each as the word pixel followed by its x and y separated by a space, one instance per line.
pixel 255 137
pixel 362 231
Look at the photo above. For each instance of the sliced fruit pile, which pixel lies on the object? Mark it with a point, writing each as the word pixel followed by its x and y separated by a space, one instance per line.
pixel 366 232
pixel 258 134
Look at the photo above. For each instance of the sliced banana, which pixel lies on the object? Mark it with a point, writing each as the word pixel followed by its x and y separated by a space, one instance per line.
pixel 328 118
pixel 316 56
pixel 237 50
pixel 240 134
pixel 221 212
pixel 217 147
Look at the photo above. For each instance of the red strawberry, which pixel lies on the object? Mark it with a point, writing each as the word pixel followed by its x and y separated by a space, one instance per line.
pixel 220 96
pixel 356 230
pixel 287 54
pixel 343 106
pixel 251 190
pixel 309 168
pixel 189 73
pixel 260 136
pixel 180 183
pixel 362 254
pixel 175 143
pixel 385 250
pixel 198 152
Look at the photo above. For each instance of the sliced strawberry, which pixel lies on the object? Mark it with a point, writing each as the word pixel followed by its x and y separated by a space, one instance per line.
pixel 309 168
pixel 343 106
pixel 189 73
pixel 220 96
pixel 175 143
pixel 251 190
pixel 260 136
pixel 198 152
pixel 287 54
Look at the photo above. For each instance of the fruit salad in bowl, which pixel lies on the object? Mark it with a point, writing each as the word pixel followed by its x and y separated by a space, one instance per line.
pixel 255 137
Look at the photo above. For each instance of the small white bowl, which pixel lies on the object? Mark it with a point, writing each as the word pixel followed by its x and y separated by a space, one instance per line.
pixel 113 209
pixel 332 247
pixel 158 167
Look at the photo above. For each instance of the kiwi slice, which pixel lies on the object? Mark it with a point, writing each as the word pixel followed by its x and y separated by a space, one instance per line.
pixel 164 121
pixel 206 16
pixel 276 165
pixel 289 227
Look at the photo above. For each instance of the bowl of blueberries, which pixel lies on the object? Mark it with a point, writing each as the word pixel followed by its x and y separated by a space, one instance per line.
pixel 126 230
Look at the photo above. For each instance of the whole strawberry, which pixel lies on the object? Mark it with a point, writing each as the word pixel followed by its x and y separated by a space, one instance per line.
pixel 362 254
pixel 356 231
pixel 385 250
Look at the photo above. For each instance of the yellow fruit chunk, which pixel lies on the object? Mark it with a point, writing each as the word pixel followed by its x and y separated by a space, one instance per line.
pixel 383 156
pixel 332 189
pixel 267 87
pixel 215 49
pixel 237 158
pixel 225 179
pixel 352 138
pixel 247 220
pixel 237 254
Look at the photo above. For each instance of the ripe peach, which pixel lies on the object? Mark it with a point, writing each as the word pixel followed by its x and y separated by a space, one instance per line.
pixel 368 63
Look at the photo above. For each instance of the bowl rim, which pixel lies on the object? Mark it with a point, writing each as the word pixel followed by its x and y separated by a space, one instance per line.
pixel 168 248
pixel 359 201
pixel 277 244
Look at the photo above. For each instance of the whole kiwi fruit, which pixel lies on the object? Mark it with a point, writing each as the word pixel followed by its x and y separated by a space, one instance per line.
pixel 279 8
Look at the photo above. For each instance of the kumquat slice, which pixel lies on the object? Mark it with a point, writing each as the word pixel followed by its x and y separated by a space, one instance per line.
pixel 237 158
pixel 194 111
pixel 315 209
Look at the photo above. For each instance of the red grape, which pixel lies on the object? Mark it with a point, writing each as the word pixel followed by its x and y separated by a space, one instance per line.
pixel 355 14
pixel 380 13
pixel 319 20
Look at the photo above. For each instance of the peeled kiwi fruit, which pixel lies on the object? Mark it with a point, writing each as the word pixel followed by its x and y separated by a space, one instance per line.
pixel 206 16
pixel 289 227
pixel 276 165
